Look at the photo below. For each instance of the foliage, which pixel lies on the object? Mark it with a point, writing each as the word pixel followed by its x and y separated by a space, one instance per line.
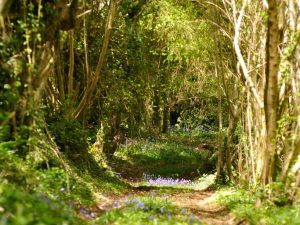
pixel 69 135
pixel 20 207
pixel 168 67
pixel 244 205
pixel 12 168
pixel 168 157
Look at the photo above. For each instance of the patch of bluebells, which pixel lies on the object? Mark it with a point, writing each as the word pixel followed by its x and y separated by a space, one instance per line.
pixel 87 213
pixel 137 203
pixel 192 219
pixel 157 210
pixel 152 180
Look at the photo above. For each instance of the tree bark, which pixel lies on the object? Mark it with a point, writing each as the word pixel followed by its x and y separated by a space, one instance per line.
pixel 71 65
pixel 166 113
pixel 271 92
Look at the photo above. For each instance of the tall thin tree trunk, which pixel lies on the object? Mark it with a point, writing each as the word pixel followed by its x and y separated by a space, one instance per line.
pixel 250 140
pixel 71 64
pixel 229 144
pixel 156 109
pixel 86 53
pixel 87 96
pixel 271 92
pixel 166 113
pixel 220 161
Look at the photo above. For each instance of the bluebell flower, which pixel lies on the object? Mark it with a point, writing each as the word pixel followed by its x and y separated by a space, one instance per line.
pixel 116 204
pixel 161 210
pixel 169 216
pixel 140 205
pixel 183 210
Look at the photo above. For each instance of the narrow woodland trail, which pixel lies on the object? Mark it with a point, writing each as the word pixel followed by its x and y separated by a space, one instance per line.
pixel 194 201
pixel 199 203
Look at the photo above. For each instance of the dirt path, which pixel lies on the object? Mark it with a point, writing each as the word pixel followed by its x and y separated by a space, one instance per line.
pixel 197 202
pixel 200 204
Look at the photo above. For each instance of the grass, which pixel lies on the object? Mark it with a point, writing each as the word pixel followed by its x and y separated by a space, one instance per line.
pixel 167 156
pixel 243 204
pixel 168 164
pixel 151 209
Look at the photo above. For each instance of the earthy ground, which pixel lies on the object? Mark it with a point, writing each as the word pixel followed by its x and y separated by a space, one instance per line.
pixel 197 202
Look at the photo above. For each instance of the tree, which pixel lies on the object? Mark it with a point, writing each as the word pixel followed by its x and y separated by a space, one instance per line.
pixel 271 93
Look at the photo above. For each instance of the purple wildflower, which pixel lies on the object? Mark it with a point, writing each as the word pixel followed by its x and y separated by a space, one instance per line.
pixel 161 210
pixel 116 204
pixel 140 205
pixel 166 181
pixel 169 216
pixel 83 210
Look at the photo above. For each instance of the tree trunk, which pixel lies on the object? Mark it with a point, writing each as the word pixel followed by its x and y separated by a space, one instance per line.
pixel 230 143
pixel 88 94
pixel 166 117
pixel 156 109
pixel 271 92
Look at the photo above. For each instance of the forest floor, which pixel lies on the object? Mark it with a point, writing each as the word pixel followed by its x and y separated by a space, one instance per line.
pixel 162 170
pixel 197 204
pixel 167 179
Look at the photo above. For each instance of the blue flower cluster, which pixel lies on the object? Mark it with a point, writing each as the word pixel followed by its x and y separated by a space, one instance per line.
pixel 87 213
pixel 150 179
pixel 155 206
pixel 137 203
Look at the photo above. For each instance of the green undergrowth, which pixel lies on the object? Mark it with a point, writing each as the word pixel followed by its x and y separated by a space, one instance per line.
pixel 167 156
pixel 244 205
pixel 152 209
pixel 38 191
pixel 191 138
pixel 18 206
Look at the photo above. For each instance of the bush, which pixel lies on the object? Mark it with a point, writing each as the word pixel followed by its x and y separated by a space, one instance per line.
pixel 22 208
pixel 70 137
